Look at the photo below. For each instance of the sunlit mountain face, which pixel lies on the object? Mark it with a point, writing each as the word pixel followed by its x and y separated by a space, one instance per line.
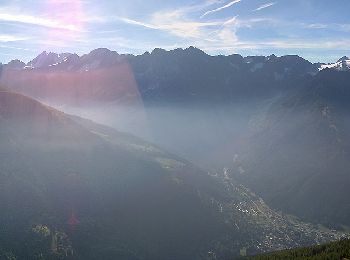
pixel 174 129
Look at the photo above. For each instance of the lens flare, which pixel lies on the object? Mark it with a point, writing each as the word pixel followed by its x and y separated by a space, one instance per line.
pixel 69 20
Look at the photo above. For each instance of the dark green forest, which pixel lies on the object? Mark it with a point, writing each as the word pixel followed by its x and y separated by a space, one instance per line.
pixel 335 250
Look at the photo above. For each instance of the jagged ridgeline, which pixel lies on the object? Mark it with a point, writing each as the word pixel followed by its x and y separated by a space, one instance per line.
pixel 280 124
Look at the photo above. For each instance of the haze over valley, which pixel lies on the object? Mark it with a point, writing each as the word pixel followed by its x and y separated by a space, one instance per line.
pixel 268 123
pixel 207 147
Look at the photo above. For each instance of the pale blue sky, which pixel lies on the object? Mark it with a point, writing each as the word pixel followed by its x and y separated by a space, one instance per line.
pixel 318 30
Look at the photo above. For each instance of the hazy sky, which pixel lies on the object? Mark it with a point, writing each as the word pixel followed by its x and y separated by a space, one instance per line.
pixel 318 30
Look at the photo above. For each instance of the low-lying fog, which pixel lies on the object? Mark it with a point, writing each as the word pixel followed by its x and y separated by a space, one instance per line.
pixel 208 136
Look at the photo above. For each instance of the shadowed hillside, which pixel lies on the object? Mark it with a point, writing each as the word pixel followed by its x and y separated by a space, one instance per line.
pixel 72 189
pixel 336 250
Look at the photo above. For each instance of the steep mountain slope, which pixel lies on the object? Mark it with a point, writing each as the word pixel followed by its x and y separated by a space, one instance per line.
pixel 71 189
pixel 129 199
pixel 296 156
pixel 214 110
pixel 192 75
pixel 184 93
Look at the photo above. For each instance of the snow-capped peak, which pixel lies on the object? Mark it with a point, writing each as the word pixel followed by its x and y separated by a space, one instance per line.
pixel 344 58
pixel 46 59
pixel 343 64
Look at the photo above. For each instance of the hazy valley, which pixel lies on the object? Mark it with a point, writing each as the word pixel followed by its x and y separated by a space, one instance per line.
pixel 265 143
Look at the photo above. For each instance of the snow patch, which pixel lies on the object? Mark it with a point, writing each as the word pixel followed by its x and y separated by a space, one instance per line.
pixel 342 64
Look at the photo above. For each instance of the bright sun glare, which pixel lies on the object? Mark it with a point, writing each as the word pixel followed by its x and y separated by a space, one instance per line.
pixel 67 19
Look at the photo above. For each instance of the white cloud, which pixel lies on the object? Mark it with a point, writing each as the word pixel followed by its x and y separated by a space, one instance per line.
pixel 13 48
pixel 317 26
pixel 174 22
pixel 182 23
pixel 221 8
pixel 212 35
pixel 231 21
pixel 139 23
pixel 36 20
pixel 297 44
pixel 11 38
pixel 265 6
pixel 189 31
pixel 330 26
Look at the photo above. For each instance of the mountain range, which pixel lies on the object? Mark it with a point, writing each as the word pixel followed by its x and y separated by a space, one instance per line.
pixel 181 75
pixel 277 125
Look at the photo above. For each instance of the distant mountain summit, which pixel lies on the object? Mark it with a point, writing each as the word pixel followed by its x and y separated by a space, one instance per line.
pixel 181 74
pixel 344 58
pixel 46 59
pixel 343 64
pixel 103 57
pixel 16 65
pixel 216 110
